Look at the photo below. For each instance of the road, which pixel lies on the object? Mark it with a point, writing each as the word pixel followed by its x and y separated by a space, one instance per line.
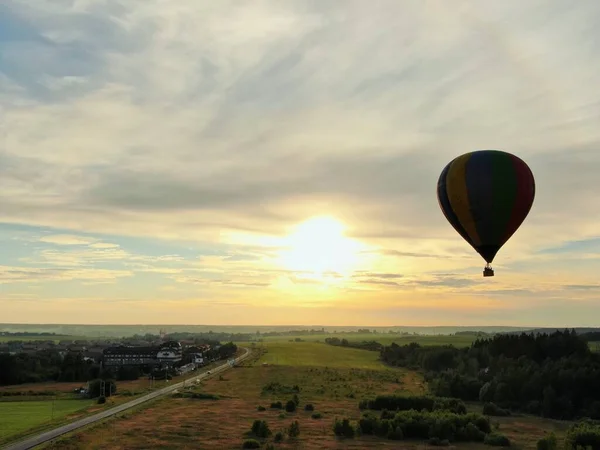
pixel 41 438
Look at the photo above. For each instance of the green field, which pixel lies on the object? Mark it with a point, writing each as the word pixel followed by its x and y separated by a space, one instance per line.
pixel 17 417
pixel 318 354
pixel 382 338
pixel 55 338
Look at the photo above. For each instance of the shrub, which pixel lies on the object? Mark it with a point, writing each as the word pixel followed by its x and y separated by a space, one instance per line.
pixel 261 408
pixel 343 428
pixel 294 429
pixel 277 405
pixel 295 399
pixel 260 428
pixel 395 434
pixel 282 415
pixel 583 434
pixel 424 425
pixel 290 406
pixel 251 443
pixel 309 407
pixel 317 415
pixel 278 436
pixel 496 440
pixel 417 403
pixel 547 443
pixel 437 442
pixel 491 409
pixel 101 400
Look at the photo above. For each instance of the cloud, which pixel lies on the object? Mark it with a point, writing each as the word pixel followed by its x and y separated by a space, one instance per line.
pixel 36 275
pixel 201 122
pixel 63 239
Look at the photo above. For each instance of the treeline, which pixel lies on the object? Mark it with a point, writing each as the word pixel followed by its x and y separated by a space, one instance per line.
pixel 48 365
pixel 26 334
pixel 209 337
pixel 45 365
pixel 554 375
pixel 365 345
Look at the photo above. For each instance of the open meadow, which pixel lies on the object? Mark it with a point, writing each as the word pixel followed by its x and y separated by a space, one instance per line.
pixel 383 338
pixel 328 381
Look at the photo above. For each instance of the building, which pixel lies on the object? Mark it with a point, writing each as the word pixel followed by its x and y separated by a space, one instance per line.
pixel 167 354
pixel 129 356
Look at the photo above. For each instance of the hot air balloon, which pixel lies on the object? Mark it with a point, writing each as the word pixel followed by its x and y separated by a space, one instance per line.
pixel 486 195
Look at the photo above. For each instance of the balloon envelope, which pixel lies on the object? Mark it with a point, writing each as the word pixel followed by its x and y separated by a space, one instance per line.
pixel 486 195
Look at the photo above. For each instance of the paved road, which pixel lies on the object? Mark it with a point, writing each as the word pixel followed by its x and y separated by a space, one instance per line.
pixel 33 441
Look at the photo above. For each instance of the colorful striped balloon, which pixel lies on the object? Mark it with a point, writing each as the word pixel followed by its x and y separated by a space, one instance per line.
pixel 486 195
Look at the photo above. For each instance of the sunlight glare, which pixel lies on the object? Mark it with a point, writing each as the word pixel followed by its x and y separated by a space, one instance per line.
pixel 319 249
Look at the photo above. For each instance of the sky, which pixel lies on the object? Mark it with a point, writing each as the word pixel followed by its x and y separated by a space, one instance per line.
pixel 266 162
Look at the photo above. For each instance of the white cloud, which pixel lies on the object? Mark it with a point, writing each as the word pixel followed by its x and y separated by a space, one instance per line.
pixel 66 239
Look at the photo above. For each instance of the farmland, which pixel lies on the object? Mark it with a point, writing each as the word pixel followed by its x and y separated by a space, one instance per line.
pixel 332 379
pixel 55 338
pixel 382 338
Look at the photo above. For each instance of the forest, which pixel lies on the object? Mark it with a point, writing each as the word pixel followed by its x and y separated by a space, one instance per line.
pixel 553 375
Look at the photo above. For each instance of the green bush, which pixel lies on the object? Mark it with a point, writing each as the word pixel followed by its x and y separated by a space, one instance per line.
pixel 496 440
pixel 309 407
pixel 395 434
pixel 261 408
pixel 295 399
pixel 344 428
pixel 317 415
pixel 290 406
pixel 583 434
pixel 251 443
pixel 260 428
pixel 294 429
pixel 424 425
pixel 548 443
pixel 278 436
pixel 437 442
pixel 277 405
pixel 491 409
pixel 101 400
pixel 417 403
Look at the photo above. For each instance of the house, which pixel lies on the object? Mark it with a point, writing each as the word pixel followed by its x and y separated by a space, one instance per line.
pixel 29 348
pixel 94 353
pixel 168 356
pixel 129 356
pixel 77 348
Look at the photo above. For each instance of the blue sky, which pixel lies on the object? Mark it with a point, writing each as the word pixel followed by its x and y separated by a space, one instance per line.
pixel 158 159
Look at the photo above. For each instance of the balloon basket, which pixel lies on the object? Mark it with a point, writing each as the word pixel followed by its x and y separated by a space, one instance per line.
pixel 488 271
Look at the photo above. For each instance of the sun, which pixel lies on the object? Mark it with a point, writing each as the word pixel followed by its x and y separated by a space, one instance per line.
pixel 317 248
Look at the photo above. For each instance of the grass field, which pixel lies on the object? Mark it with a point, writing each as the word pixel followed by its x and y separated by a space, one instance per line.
pixel 55 338
pixel 318 354
pixel 16 417
pixel 333 379
pixel 383 338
